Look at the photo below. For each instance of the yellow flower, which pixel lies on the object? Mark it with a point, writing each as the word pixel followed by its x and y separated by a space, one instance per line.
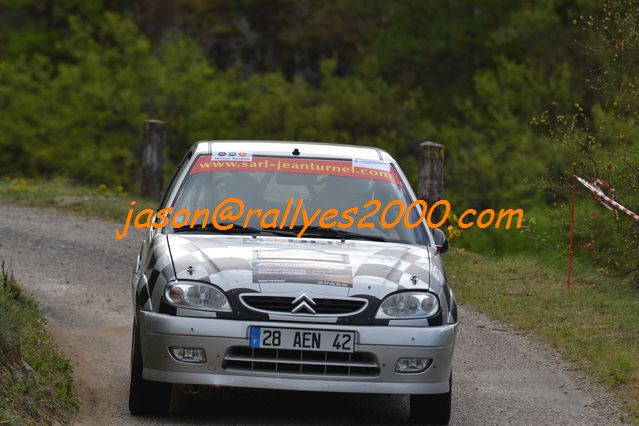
pixel 20 185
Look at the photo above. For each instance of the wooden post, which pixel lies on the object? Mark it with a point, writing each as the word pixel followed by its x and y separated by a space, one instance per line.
pixel 153 160
pixel 431 175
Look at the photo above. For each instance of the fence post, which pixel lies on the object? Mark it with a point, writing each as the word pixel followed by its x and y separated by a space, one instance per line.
pixel 153 160
pixel 431 175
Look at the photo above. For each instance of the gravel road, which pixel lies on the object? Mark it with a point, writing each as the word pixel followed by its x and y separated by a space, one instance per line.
pixel 80 273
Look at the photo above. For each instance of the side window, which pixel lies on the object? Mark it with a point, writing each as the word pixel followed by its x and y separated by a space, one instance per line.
pixel 173 181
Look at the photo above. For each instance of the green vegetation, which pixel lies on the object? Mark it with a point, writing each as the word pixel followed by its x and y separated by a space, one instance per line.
pixel 517 91
pixel 99 201
pixel 35 382
pixel 594 324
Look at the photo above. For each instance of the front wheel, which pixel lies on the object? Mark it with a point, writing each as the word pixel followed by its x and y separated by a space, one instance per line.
pixel 145 397
pixel 431 409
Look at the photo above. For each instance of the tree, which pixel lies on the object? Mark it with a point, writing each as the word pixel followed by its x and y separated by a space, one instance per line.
pixel 603 138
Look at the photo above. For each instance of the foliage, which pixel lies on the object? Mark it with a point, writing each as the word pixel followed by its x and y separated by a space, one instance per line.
pixel 490 80
pixel 82 117
pixel 604 141
pixel 35 381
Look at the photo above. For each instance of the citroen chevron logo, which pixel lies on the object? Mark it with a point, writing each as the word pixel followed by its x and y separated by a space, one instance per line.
pixel 303 302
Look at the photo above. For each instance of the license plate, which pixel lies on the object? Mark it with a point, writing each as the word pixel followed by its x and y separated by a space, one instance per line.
pixel 308 340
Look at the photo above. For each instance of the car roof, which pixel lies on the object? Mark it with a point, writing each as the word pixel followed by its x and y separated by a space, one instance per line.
pixel 306 149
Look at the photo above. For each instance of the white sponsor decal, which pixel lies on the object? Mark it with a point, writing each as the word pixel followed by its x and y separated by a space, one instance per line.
pixel 291 266
pixel 232 156
pixel 371 164
pixel 293 242
pixel 301 255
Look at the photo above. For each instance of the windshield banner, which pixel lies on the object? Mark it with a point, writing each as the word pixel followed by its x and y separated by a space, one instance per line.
pixel 347 168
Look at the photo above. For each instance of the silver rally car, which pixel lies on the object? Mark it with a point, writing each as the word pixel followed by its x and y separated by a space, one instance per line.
pixel 358 309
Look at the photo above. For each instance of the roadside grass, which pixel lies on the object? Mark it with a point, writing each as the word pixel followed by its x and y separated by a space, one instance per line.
pixel 35 381
pixel 63 194
pixel 595 324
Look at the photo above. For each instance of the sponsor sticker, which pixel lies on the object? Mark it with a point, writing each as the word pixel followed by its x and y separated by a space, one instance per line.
pixel 293 242
pixel 371 164
pixel 247 162
pixel 302 267
pixel 232 156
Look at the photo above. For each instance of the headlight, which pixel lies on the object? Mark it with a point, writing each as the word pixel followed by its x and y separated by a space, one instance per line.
pixel 197 296
pixel 408 305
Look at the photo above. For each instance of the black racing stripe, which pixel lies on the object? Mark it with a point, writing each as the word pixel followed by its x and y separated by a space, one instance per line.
pixel 367 316
pixel 165 308
pixel 453 310
pixel 452 303
pixel 239 310
pixel 381 271
pixel 446 295
pixel 152 279
pixel 167 273
pixel 436 320
pixel 143 296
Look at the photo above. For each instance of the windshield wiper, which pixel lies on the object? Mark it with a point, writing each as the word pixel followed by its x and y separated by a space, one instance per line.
pixel 236 229
pixel 317 231
pixel 311 231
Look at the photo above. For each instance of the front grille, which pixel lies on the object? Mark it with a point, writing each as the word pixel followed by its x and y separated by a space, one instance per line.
pixel 321 306
pixel 357 364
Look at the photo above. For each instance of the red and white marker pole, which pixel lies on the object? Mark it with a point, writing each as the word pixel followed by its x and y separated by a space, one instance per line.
pixel 605 200
pixel 601 198
pixel 572 225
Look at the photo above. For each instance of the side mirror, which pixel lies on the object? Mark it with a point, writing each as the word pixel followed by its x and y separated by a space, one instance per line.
pixel 441 242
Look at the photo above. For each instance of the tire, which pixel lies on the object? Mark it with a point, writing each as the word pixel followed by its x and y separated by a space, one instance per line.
pixel 431 409
pixel 145 397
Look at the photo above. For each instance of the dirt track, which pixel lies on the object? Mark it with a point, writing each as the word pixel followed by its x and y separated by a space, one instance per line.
pixel 80 275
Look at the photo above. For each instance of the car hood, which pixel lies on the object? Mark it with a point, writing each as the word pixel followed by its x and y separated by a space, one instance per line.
pixel 282 265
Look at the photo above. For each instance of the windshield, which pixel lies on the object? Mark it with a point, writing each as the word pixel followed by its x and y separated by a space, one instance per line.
pixel 273 189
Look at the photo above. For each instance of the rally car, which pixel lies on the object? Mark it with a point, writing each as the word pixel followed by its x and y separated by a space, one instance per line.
pixel 254 302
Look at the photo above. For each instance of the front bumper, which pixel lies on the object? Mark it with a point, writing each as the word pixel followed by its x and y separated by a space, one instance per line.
pixel 387 344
